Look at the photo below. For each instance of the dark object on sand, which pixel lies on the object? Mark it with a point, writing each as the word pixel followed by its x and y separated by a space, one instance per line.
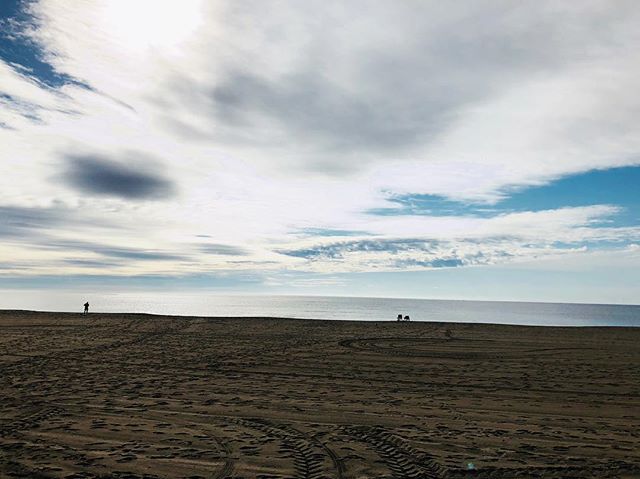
pixel 399 317
pixel 448 334
pixel 406 318
pixel 86 307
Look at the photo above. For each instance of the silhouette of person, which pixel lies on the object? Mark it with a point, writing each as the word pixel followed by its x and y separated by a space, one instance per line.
pixel 399 318
pixel 406 318
pixel 86 307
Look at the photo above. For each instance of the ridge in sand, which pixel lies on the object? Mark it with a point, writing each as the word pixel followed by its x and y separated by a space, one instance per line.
pixel 140 396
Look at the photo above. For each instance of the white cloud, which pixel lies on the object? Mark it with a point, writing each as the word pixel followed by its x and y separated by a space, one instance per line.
pixel 435 242
pixel 305 115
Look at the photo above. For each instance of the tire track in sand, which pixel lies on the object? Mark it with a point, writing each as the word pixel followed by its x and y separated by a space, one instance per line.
pixel 309 454
pixel 403 460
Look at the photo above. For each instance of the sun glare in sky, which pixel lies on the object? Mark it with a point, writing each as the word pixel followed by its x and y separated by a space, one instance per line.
pixel 144 24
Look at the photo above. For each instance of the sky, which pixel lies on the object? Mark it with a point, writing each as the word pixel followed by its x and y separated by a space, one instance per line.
pixel 459 150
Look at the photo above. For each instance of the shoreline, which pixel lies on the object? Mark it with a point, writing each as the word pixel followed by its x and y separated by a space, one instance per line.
pixel 25 312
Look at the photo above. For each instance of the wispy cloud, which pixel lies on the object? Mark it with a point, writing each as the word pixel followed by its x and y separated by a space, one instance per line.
pixel 222 249
pixel 505 238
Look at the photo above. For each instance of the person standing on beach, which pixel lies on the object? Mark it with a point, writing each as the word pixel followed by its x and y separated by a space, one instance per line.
pixel 86 307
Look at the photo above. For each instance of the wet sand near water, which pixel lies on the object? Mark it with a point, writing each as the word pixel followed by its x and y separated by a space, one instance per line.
pixel 141 396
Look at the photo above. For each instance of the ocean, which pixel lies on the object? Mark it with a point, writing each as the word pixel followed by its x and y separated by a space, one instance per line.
pixel 325 307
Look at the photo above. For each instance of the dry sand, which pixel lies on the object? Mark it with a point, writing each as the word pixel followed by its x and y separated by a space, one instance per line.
pixel 137 396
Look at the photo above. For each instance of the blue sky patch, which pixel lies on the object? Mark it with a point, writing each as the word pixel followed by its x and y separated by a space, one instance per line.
pixel 21 52
pixel 617 186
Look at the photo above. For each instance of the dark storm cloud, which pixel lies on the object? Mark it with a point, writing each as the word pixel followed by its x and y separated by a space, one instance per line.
pixel 137 179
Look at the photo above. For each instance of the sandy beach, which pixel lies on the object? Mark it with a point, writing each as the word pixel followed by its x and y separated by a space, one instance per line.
pixel 139 396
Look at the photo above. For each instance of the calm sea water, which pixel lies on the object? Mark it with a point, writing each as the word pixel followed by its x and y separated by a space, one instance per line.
pixel 322 307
